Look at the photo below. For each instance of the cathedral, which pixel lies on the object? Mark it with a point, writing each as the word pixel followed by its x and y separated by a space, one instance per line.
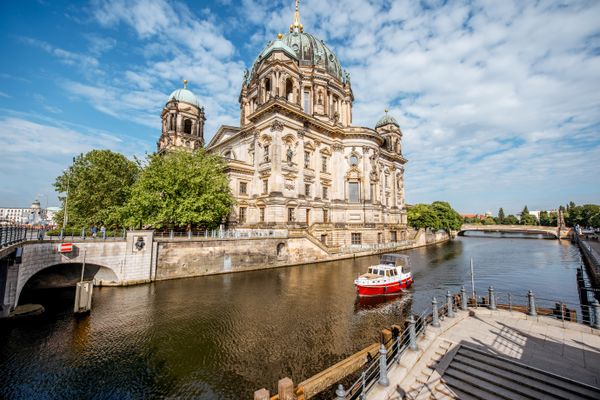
pixel 296 162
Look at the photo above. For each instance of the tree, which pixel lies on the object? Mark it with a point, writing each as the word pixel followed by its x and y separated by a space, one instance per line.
pixel 98 185
pixel 511 220
pixel 489 221
pixel 526 218
pixel 180 189
pixel 423 216
pixel 501 216
pixel 449 219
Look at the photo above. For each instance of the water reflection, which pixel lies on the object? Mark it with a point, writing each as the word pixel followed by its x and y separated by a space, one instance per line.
pixel 222 337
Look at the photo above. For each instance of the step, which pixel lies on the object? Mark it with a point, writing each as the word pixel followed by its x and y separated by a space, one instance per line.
pixel 511 384
pixel 513 375
pixel 553 380
pixel 490 387
pixel 466 391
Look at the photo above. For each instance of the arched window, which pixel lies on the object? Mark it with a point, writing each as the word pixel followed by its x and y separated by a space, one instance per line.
pixel 267 89
pixel 289 89
pixel 187 126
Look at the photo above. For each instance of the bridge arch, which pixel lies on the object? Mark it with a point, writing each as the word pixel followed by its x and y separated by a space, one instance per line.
pixel 63 274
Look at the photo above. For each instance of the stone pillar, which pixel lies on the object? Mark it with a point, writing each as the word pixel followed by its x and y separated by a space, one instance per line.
pixel 340 393
pixel 285 389
pixel 450 303
pixel 262 394
pixel 492 298
pixel 412 334
pixel 434 315
pixel 463 299
pixel 596 314
pixel 531 304
pixel 383 379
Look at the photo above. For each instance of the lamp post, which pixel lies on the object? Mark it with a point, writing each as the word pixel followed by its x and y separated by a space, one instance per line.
pixel 65 216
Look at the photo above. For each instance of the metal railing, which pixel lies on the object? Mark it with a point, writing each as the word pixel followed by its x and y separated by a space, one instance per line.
pixel 76 234
pixel 356 248
pixel 223 234
pixel 10 235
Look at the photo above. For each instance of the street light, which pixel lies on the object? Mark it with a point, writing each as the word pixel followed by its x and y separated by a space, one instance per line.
pixel 65 217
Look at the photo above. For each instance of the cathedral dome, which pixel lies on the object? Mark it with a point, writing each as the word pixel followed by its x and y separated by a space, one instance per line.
pixel 185 95
pixel 307 49
pixel 386 120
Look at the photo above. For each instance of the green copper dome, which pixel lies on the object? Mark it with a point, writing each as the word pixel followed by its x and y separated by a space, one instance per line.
pixel 386 120
pixel 306 49
pixel 185 95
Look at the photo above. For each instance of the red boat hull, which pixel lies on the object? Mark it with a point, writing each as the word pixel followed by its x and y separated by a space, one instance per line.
pixel 384 289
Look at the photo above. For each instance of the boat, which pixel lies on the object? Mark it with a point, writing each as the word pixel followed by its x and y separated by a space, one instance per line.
pixel 389 277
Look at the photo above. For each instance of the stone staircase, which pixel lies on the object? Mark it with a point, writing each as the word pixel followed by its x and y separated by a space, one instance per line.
pixel 464 372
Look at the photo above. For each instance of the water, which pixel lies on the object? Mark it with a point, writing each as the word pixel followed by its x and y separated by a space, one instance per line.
pixel 222 337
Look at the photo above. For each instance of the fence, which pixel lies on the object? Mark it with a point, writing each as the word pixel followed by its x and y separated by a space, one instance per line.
pixel 84 234
pixel 223 234
pixel 356 248
pixel 12 234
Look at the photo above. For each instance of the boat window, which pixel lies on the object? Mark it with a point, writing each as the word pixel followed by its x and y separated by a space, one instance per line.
pixel 387 273
pixel 381 272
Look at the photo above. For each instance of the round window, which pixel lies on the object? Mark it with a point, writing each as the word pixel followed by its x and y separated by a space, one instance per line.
pixel 353 160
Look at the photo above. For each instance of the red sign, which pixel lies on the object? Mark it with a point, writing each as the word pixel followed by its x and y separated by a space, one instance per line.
pixel 65 248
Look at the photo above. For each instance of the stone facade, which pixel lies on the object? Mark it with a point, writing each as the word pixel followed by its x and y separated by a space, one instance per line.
pixel 296 160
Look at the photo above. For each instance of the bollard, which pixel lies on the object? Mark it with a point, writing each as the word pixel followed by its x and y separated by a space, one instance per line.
pixel 412 334
pixel 435 318
pixel 383 379
pixel 171 233
pixel 492 298
pixel 596 307
pixel 463 299
pixel 285 389
pixel 262 394
pixel 450 304
pixel 531 304
pixel 340 393
pixel 510 302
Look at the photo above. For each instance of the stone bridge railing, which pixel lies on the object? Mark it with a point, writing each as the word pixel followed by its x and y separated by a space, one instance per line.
pixel 535 229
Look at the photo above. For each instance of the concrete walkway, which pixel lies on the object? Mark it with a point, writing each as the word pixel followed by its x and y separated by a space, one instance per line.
pixel 566 349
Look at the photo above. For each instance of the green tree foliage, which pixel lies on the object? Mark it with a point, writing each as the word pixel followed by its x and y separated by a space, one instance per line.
pixel 438 215
pixel 511 220
pixel 586 215
pixel 548 218
pixel 423 216
pixel 489 221
pixel 180 189
pixel 501 216
pixel 526 218
pixel 98 184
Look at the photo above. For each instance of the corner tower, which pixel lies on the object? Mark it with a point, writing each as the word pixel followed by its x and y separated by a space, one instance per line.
pixel 182 122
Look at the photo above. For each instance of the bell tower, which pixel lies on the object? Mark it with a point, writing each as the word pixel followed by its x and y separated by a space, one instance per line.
pixel 182 122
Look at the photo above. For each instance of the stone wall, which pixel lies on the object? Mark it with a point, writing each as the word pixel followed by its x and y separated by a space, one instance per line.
pixel 186 258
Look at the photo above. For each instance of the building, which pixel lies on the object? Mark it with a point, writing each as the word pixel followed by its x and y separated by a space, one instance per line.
pixel 34 215
pixel 296 161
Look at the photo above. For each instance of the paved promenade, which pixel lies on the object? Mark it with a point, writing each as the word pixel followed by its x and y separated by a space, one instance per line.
pixel 566 349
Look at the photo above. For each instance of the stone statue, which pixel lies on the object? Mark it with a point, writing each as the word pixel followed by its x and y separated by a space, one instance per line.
pixel 290 155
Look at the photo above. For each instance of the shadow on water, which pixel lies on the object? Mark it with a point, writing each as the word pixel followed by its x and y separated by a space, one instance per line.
pixel 225 336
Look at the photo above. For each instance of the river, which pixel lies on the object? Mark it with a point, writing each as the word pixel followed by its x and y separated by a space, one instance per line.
pixel 222 337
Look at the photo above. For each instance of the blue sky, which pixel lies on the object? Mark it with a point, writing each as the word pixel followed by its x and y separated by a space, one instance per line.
pixel 499 102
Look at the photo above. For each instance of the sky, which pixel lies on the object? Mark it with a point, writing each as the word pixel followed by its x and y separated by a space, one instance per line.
pixel 498 101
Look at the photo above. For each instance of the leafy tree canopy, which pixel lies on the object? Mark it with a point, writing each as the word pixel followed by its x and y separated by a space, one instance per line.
pixel 180 189
pixel 526 218
pixel 98 185
pixel 501 216
pixel 511 220
pixel 438 215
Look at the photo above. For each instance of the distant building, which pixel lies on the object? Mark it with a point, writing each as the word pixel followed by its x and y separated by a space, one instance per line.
pixel 474 216
pixel 34 215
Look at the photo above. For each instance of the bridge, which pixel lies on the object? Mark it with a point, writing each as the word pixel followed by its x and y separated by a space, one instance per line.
pixel 124 261
pixel 557 232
